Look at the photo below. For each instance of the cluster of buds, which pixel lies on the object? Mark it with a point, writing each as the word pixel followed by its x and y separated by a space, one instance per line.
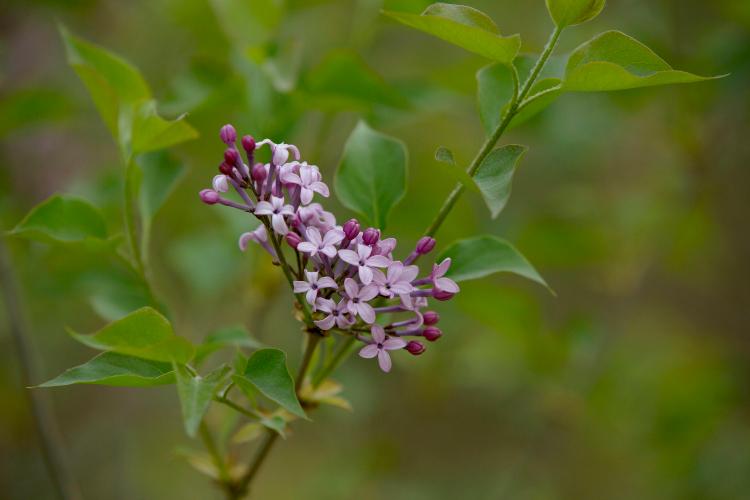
pixel 347 275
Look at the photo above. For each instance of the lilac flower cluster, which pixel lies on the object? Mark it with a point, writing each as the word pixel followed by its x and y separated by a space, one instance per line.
pixel 349 278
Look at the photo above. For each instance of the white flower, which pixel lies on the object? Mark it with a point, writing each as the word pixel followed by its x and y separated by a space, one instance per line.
pixel 312 285
pixel 363 261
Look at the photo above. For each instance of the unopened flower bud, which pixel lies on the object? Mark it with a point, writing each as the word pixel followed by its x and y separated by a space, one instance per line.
pixel 231 156
pixel 293 239
pixel 225 168
pixel 351 229
pixel 370 236
pixel 248 143
pixel 228 134
pixel 415 348
pixel 425 245
pixel 442 295
pixel 280 155
pixel 259 172
pixel 430 318
pixel 432 333
pixel 209 196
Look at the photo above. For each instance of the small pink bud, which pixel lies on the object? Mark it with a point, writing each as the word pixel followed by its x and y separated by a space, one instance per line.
pixel 228 134
pixel 432 333
pixel 415 348
pixel 248 143
pixel 209 196
pixel 425 245
pixel 293 239
pixel 258 172
pixel 431 318
pixel 351 229
pixel 231 156
pixel 442 295
pixel 225 168
pixel 370 236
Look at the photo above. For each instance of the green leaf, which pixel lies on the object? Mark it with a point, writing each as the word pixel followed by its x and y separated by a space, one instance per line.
pixel 495 176
pixel 371 178
pixel 276 423
pixel 32 106
pixel 231 336
pixel 196 394
pixel 111 81
pixel 144 334
pixel 571 12
pixel 445 156
pixel 249 22
pixel 542 94
pixel 62 219
pixel 615 61
pixel 160 175
pixel 116 370
pixel 481 256
pixel 464 26
pixel 151 132
pixel 267 371
pixel 343 80
pixel 495 89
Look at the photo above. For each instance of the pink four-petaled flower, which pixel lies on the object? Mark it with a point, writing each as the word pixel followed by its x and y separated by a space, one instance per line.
pixel 277 210
pixel 321 243
pixel 311 286
pixel 364 261
pixel 337 314
pixel 358 298
pixel 380 347
pixel 309 181
pixel 439 281
pixel 397 279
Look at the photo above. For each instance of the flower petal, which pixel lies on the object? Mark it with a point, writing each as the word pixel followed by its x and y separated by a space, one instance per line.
pixel 351 288
pixel 368 292
pixel 378 261
pixel 384 360
pixel 307 247
pixel 279 225
pixel 446 285
pixel 326 323
pixel 325 305
pixel 365 275
pixel 326 282
pixel 311 295
pixel 366 312
pixel 394 343
pixel 329 250
pixel 301 286
pixel 349 256
pixel 378 334
pixel 306 195
pixel 369 351
pixel 263 208
pixel 321 188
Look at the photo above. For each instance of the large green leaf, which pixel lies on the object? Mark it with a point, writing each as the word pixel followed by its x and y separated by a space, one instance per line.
pixel 160 175
pixel 144 334
pixel 495 89
pixel 458 174
pixel 196 393
pixel 248 22
pixel 267 371
pixel 495 176
pixel 343 80
pixel 616 61
pixel 570 12
pixel 464 26
pixel 371 178
pixel 117 370
pixel 62 219
pixel 151 132
pixel 230 336
pixel 481 256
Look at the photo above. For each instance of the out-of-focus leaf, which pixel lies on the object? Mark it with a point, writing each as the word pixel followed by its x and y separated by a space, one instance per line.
pixel 248 22
pixel 343 80
pixel 495 176
pixel 495 89
pixel 62 219
pixel 464 26
pixel 32 106
pixel 570 12
pixel 267 371
pixel 188 256
pixel 196 393
pixel 276 423
pixel 283 68
pixel 481 256
pixel 543 93
pixel 234 336
pixel 616 61
pixel 151 132
pixel 144 334
pixel 326 393
pixel 160 175
pixel 371 177
pixel 116 370
pixel 445 157
pixel 248 432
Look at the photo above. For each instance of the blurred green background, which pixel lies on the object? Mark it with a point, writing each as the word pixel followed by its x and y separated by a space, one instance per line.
pixel 631 383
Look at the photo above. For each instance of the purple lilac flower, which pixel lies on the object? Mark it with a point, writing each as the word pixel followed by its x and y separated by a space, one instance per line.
pixel 441 283
pixel 324 244
pixel 311 286
pixel 380 346
pixel 260 236
pixel 277 210
pixel 338 314
pixel 358 298
pixel 364 262
pixel 309 181
pixel 397 279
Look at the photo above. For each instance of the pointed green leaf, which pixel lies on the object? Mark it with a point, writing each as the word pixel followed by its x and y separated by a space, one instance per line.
pixel 267 371
pixel 445 157
pixel 570 12
pixel 160 175
pixel 116 370
pixel 495 89
pixel 481 256
pixel 151 132
pixel 231 336
pixel 464 26
pixel 371 177
pixel 495 176
pixel 276 423
pixel 196 394
pixel 144 334
pixel 62 219
pixel 616 61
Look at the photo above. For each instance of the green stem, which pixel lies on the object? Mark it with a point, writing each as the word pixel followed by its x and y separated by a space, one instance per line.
pixel 218 459
pixel 131 224
pixel 486 148
pixel 338 357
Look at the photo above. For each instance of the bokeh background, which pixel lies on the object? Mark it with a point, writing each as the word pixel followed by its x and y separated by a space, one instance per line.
pixel 631 383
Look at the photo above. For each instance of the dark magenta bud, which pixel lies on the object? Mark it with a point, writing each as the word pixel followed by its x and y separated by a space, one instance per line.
pixel 415 348
pixel 431 318
pixel 228 134
pixel 442 295
pixel 351 229
pixel 293 239
pixel 231 156
pixel 248 143
pixel 432 333
pixel 259 172
pixel 370 236
pixel 225 168
pixel 209 196
pixel 425 245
